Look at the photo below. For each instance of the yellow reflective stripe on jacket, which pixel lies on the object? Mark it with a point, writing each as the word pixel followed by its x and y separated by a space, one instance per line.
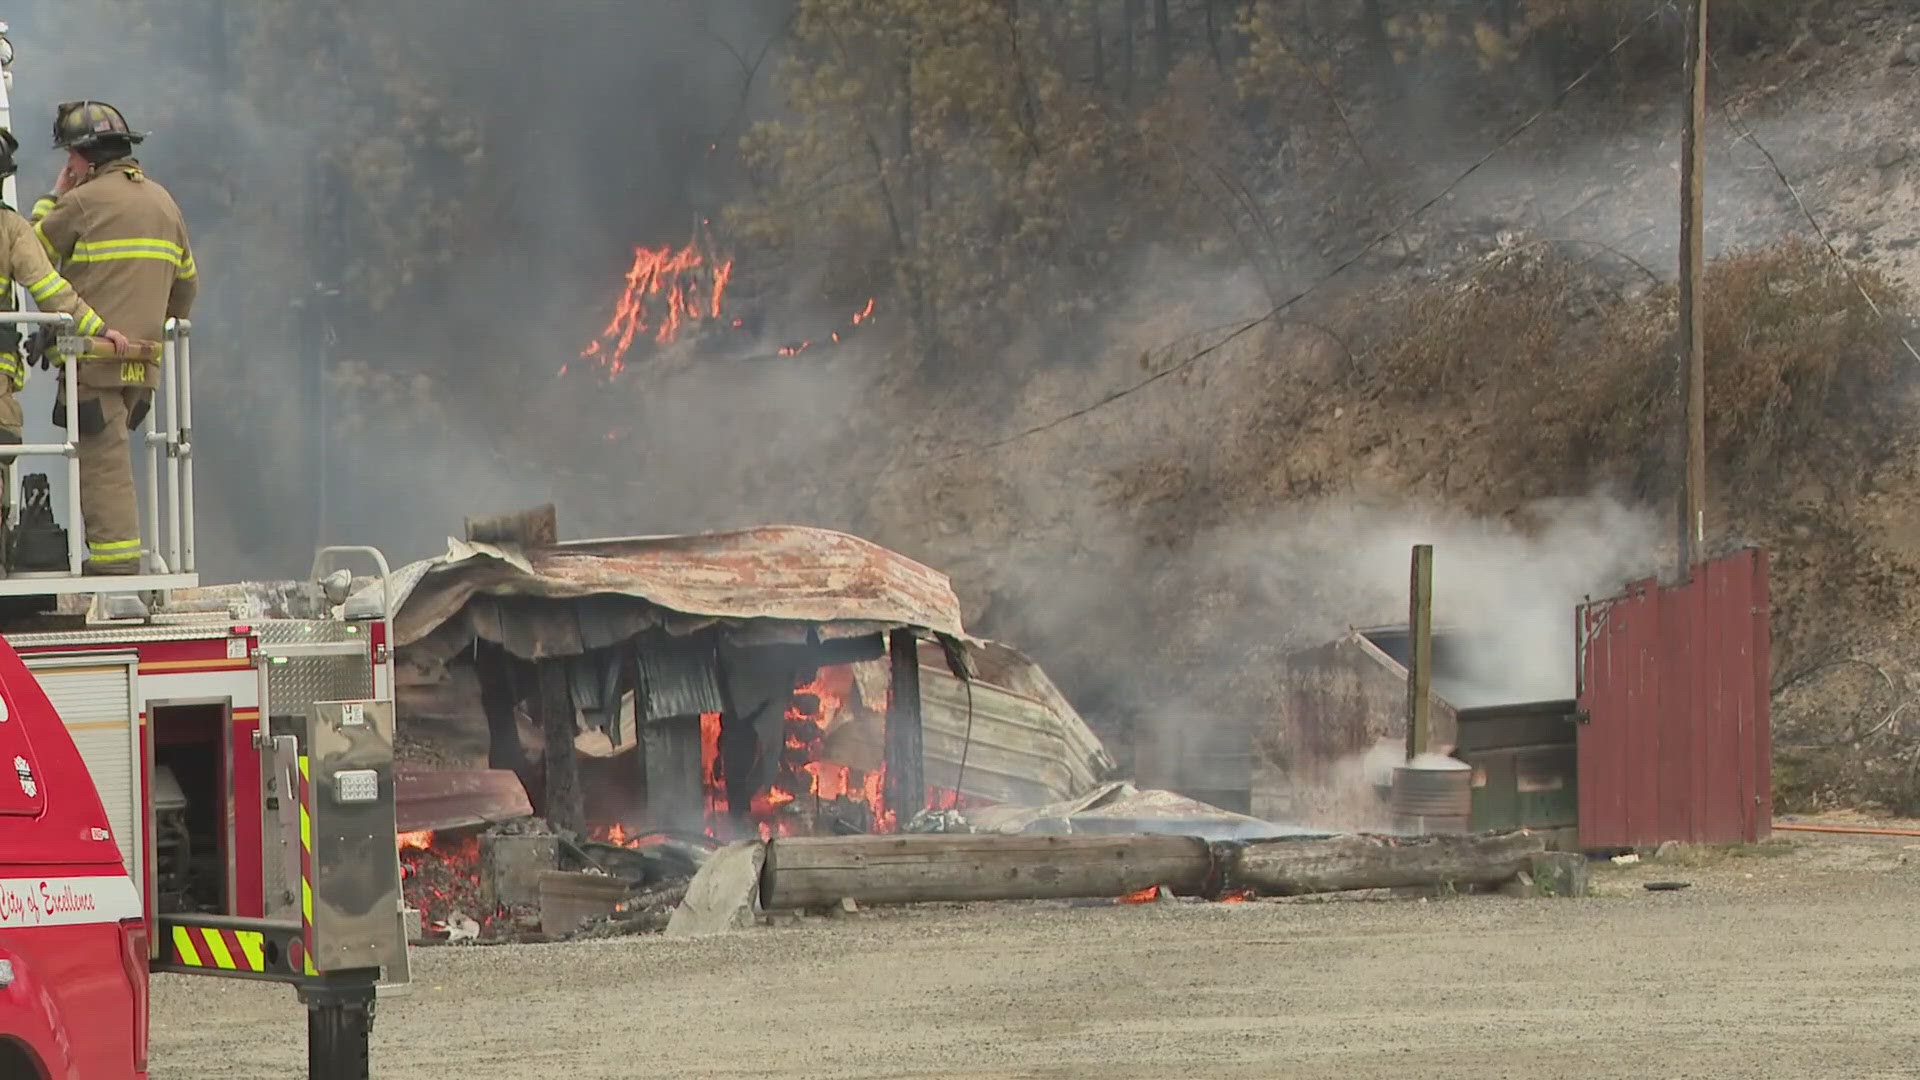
pixel 43 207
pixel 10 366
pixel 91 324
pixel 187 269
pixel 166 251
pixel 130 242
pixel 51 285
pixel 52 252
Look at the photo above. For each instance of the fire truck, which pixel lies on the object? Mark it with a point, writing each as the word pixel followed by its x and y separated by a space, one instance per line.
pixel 239 743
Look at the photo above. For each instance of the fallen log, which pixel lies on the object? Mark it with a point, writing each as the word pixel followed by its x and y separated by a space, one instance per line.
pixel 803 872
pixel 1289 867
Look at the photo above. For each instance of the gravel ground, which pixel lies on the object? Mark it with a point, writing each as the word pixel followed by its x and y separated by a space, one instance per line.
pixel 1795 961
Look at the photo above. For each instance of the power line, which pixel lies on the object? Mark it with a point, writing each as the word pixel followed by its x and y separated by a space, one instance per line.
pixel 1280 308
pixel 1741 129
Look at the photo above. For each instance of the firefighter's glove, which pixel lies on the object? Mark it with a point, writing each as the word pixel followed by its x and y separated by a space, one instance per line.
pixel 40 348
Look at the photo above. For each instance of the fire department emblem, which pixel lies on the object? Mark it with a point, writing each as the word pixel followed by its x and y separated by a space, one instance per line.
pixel 25 773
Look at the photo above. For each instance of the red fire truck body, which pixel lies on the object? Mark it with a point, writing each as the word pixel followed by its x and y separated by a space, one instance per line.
pixel 73 941
pixel 167 712
pixel 184 786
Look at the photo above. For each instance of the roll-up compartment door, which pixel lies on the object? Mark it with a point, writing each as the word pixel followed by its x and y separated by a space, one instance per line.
pixel 94 697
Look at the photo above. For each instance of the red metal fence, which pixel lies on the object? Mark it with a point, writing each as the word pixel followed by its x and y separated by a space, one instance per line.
pixel 1674 739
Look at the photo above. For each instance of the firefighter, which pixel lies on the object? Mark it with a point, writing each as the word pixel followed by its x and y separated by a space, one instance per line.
pixel 122 242
pixel 22 260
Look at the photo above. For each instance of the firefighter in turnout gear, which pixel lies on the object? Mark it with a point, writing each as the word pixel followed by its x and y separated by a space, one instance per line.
pixel 23 261
pixel 122 242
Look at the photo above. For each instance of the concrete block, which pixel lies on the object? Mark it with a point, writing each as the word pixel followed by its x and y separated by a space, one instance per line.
pixel 1560 874
pixel 724 895
pixel 510 867
pixel 415 924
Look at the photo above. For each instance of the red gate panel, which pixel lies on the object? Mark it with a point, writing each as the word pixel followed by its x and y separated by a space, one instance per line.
pixel 1674 739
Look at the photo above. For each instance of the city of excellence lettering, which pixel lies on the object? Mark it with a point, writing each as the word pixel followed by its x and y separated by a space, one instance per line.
pixel 65 900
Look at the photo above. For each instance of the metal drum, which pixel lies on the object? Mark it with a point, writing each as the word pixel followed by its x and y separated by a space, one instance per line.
pixel 1432 793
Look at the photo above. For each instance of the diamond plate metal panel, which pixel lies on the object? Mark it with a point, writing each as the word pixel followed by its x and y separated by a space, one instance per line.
pixel 127 636
pixel 295 683
pixel 306 632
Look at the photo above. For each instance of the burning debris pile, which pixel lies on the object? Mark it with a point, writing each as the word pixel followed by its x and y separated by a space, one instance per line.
pixel 518 881
pixel 645 700
pixel 440 878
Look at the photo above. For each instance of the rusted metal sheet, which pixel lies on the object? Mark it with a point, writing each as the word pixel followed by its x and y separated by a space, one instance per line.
pixel 453 798
pixel 770 584
pixel 1677 743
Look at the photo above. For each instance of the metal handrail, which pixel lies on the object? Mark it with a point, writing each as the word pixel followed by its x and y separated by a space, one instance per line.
pixel 327 557
pixel 167 428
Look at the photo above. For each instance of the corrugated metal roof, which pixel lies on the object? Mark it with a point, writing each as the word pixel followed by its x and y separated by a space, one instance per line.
pixel 763 578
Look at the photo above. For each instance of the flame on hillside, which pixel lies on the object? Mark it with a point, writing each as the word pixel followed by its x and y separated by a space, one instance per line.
pixel 665 290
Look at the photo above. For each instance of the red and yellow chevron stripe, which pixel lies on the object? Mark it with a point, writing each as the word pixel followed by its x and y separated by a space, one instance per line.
pixel 306 873
pixel 225 950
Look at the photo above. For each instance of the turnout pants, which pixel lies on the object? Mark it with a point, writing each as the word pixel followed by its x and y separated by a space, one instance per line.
pixel 108 503
pixel 12 423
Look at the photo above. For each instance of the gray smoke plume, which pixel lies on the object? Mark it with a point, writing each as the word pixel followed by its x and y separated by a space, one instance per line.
pixel 303 141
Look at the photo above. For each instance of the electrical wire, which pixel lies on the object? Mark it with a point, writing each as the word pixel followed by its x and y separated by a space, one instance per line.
pixel 966 745
pixel 1741 129
pixel 1277 310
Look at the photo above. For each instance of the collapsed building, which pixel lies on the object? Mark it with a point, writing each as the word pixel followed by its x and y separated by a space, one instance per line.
pixel 772 681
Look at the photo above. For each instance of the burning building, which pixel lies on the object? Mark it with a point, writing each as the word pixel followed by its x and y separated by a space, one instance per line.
pixel 770 681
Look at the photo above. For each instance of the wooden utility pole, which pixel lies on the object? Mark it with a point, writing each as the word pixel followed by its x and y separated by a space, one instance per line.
pixel 1693 361
pixel 1420 654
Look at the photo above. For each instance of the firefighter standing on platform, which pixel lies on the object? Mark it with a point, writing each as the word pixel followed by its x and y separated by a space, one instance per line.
pixel 122 242
pixel 22 260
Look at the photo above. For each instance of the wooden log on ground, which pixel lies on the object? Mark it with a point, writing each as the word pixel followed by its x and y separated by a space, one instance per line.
pixel 813 871
pixel 1342 863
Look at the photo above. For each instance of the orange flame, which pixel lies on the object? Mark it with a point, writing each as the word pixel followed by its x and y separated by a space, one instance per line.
pixel 421 839
pixel 804 782
pixel 1236 896
pixel 713 782
pixel 660 275
pixel 1142 896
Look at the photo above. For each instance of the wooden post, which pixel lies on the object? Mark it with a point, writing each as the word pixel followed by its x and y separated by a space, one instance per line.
pixel 499 672
pixel 1420 654
pixel 906 787
pixel 564 806
pixel 1693 365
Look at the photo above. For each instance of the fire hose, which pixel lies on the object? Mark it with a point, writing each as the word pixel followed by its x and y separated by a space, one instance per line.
pixel 1846 830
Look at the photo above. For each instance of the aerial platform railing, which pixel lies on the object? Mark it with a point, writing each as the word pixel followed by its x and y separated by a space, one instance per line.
pixel 165 441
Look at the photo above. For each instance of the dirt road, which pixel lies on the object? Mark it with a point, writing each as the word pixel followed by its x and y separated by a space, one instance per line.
pixel 1795 965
